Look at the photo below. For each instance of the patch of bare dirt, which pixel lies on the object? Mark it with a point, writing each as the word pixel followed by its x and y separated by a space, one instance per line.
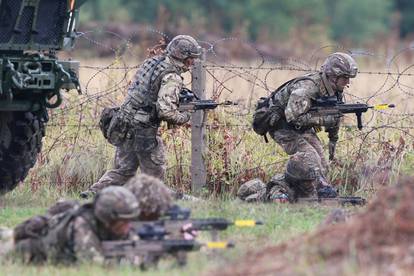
pixel 378 240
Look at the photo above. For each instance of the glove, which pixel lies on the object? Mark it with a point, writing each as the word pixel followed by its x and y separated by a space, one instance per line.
pixel 280 198
pixel 327 192
pixel 331 120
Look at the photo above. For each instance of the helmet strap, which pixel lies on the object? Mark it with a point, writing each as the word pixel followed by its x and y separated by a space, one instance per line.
pixel 328 84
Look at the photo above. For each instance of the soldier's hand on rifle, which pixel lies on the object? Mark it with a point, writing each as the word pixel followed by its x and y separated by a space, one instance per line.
pixel 280 198
pixel 188 233
pixel 331 120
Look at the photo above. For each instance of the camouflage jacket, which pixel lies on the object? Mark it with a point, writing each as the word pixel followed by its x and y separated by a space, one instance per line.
pixel 154 93
pixel 73 235
pixel 301 96
pixel 255 190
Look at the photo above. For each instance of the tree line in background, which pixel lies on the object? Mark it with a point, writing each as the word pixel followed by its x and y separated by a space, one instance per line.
pixel 346 21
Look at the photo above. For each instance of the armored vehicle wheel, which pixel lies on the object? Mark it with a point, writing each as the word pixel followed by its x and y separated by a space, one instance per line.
pixel 21 136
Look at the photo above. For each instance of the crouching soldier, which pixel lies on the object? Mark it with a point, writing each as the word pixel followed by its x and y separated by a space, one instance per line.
pixel 301 179
pixel 75 234
pixel 153 97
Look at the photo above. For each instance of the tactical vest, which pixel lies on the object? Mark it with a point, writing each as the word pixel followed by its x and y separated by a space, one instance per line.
pixel 140 103
pixel 281 97
pixel 58 242
pixel 270 111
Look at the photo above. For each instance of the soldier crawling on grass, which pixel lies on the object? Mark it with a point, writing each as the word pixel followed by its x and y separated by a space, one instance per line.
pixel 72 233
pixel 291 124
pixel 153 97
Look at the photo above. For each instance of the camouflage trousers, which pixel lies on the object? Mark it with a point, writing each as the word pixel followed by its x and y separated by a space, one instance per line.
pixel 293 141
pixel 127 161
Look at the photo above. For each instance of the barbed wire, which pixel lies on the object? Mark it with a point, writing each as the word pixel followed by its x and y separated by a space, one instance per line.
pixel 74 125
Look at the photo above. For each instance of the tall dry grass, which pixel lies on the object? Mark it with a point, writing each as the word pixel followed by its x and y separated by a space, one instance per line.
pixel 75 154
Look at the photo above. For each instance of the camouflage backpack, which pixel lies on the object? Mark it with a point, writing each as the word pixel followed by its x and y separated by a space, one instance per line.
pixel 37 226
pixel 270 110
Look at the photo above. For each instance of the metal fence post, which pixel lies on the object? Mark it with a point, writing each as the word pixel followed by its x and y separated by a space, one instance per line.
pixel 198 169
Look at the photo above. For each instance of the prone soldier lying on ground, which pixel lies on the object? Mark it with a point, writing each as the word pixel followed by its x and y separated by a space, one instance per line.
pixel 170 225
pixel 300 182
pixel 135 224
pixel 71 232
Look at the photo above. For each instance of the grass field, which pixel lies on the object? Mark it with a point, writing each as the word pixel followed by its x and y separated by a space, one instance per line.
pixel 75 155
pixel 281 223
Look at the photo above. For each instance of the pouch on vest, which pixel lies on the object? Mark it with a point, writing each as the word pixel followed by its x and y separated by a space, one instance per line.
pixel 270 111
pixel 114 127
pixel 265 117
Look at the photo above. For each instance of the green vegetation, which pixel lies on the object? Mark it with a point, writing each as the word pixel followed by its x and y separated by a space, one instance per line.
pixel 342 20
pixel 281 223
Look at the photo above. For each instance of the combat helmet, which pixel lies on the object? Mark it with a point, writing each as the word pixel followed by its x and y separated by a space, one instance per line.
pixel 300 168
pixel 340 64
pixel 183 46
pixel 115 203
pixel 153 197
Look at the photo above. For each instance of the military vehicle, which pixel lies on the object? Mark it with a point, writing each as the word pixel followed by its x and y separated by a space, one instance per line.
pixel 32 77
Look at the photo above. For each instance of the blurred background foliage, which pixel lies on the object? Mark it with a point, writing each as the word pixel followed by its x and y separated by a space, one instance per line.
pixel 354 22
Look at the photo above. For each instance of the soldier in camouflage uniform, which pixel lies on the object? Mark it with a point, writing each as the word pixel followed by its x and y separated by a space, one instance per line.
pixel 73 233
pixel 294 128
pixel 301 179
pixel 153 97
pixel 154 198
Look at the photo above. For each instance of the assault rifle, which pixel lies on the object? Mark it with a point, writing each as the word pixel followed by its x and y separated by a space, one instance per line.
pixel 177 221
pixel 161 228
pixel 151 250
pixel 331 106
pixel 189 101
pixel 343 200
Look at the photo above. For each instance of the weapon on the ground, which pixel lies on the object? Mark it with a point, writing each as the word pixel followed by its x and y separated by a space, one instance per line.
pixel 331 106
pixel 125 248
pixel 343 200
pixel 189 101
pixel 149 251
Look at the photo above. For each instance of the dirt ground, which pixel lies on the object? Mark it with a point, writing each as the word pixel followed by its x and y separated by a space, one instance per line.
pixel 377 241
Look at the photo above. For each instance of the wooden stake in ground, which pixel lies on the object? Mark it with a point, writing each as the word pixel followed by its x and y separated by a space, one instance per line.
pixel 198 169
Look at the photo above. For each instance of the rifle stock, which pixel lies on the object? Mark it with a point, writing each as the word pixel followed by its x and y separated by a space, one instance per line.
pixel 128 248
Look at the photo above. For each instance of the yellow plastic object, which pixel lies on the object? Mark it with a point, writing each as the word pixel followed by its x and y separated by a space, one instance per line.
pixel 245 223
pixel 381 106
pixel 217 245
